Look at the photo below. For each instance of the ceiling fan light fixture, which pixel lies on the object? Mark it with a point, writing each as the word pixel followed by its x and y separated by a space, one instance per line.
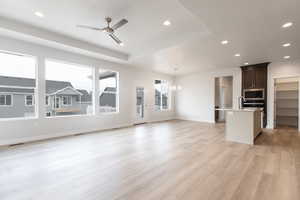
pixel 121 44
pixel 286 25
pixel 224 42
pixel 39 14
pixel 167 23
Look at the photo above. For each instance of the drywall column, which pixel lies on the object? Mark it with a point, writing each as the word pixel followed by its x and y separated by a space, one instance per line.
pixel 96 90
pixel 40 96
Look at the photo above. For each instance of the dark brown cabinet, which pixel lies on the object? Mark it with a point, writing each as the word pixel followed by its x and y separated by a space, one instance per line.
pixel 248 78
pixel 256 77
pixel 261 75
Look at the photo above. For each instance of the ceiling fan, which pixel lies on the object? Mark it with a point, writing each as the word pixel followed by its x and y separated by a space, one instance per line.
pixel 108 29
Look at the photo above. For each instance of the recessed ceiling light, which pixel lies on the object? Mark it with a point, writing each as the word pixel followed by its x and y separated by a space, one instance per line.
pixel 167 23
pixel 246 63
pixel 224 42
pixel 122 44
pixel 39 14
pixel 286 57
pixel 237 55
pixel 286 45
pixel 286 25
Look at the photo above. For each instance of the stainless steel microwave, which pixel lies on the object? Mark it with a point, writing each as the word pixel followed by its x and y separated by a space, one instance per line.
pixel 254 94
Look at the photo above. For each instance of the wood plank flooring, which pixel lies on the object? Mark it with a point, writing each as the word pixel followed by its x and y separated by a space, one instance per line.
pixel 175 160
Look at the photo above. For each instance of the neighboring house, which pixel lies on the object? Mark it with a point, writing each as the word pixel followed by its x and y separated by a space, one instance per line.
pixel 17 98
pixel 108 100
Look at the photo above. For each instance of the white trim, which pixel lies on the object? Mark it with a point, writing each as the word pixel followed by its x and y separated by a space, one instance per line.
pixel 17 54
pixel 68 87
pixel 11 99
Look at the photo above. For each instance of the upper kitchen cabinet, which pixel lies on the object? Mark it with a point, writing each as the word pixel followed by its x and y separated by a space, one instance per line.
pixel 255 76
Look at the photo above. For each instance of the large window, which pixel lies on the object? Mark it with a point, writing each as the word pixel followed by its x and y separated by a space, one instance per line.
pixel 161 95
pixel 108 85
pixel 17 80
pixel 69 89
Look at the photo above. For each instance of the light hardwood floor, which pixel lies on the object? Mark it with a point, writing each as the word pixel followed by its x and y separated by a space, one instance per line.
pixel 175 160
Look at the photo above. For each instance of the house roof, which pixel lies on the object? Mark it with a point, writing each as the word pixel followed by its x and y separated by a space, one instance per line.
pixel 85 97
pixel 110 89
pixel 27 85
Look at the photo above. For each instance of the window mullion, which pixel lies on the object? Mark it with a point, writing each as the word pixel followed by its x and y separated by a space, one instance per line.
pixel 161 96
pixel 96 96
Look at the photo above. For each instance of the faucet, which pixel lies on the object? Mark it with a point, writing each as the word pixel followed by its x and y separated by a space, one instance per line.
pixel 241 99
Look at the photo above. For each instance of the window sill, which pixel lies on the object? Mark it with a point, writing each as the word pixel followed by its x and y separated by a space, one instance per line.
pixel 18 119
pixel 68 116
pixel 109 113
pixel 165 110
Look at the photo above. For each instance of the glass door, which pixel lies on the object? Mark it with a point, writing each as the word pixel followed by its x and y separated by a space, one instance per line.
pixel 140 105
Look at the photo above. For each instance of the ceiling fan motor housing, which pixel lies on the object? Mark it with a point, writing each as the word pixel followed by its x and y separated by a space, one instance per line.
pixel 108 19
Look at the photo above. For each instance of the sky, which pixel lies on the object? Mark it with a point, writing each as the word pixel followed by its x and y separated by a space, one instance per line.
pixel 24 67
pixel 17 66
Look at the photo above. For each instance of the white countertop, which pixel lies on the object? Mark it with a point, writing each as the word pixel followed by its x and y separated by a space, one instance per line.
pixel 240 110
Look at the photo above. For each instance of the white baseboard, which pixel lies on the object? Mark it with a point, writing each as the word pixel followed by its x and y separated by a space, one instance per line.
pixel 161 120
pixel 190 118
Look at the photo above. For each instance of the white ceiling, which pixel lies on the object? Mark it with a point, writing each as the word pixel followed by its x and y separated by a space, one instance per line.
pixel 191 43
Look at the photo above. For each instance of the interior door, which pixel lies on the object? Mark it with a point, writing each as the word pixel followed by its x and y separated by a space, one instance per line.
pixel 140 105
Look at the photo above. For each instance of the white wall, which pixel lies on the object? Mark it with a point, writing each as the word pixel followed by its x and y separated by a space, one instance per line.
pixel 195 101
pixel 22 130
pixel 279 70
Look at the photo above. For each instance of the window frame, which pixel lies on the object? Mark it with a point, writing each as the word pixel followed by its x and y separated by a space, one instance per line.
pixel 67 62
pixel 32 101
pixel 66 104
pixel 11 101
pixel 36 69
pixel 117 93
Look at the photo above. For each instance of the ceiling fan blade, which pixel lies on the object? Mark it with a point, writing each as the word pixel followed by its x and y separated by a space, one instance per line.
pixel 115 38
pixel 119 24
pixel 90 27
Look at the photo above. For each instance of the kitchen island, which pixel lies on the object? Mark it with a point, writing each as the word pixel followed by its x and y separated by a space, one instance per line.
pixel 243 125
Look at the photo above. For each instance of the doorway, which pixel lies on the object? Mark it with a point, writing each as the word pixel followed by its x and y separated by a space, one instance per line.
pixel 223 97
pixel 286 103
pixel 56 102
pixel 140 105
